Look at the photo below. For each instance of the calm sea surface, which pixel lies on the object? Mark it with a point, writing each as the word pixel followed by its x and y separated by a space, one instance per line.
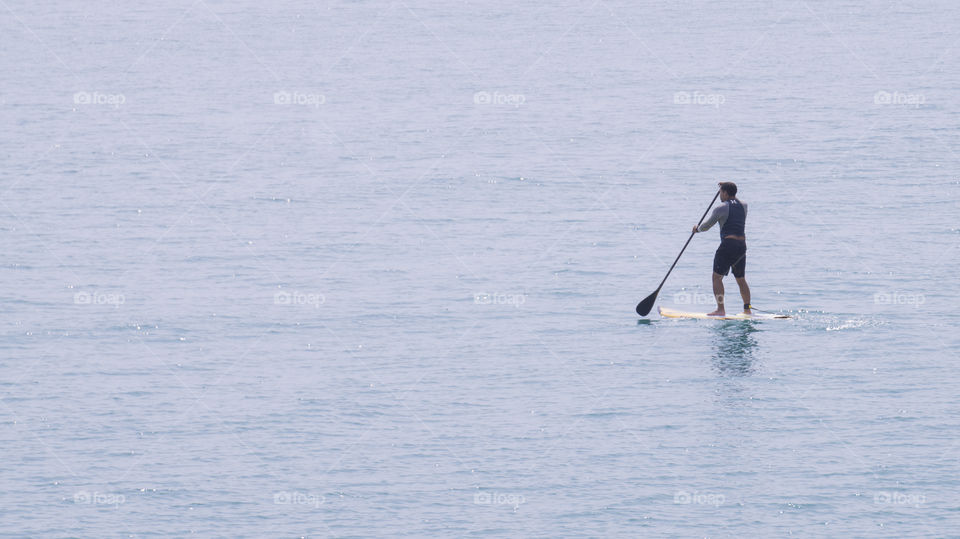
pixel 367 269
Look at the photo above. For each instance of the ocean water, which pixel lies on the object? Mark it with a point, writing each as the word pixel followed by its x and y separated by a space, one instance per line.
pixel 368 269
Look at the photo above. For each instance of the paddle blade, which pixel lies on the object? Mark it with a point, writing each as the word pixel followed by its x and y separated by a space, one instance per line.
pixel 643 308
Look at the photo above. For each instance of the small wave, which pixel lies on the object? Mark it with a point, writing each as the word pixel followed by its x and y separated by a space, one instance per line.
pixel 849 324
pixel 853 323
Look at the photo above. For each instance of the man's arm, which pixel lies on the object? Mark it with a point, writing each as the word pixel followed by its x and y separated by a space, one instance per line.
pixel 720 212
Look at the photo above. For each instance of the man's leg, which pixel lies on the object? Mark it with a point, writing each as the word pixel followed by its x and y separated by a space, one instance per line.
pixel 744 291
pixel 718 294
pixel 740 274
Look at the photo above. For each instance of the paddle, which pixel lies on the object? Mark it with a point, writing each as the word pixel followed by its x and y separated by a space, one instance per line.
pixel 643 308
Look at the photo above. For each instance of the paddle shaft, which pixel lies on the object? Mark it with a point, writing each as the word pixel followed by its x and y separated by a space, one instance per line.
pixel 702 217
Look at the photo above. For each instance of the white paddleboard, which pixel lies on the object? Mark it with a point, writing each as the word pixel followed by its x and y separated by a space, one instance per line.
pixel 671 313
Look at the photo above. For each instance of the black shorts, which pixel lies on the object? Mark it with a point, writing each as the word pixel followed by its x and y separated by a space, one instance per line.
pixel 731 254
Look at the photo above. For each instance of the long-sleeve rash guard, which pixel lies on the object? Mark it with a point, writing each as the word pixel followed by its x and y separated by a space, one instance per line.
pixel 719 215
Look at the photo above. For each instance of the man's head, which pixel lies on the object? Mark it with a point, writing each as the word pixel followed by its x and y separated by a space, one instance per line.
pixel 728 190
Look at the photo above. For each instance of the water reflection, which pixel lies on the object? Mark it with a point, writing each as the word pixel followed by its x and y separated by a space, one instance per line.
pixel 734 346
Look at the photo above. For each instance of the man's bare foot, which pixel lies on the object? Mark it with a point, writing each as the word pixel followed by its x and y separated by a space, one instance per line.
pixel 718 312
pixel 747 311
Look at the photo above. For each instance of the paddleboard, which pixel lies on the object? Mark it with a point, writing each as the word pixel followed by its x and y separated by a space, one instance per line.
pixel 670 313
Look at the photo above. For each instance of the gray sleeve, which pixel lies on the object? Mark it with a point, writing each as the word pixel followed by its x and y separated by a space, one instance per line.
pixel 719 214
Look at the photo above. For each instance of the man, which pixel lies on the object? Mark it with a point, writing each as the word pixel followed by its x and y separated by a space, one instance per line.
pixel 732 253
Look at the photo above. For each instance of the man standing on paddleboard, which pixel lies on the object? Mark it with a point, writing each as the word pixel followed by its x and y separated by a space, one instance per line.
pixel 732 253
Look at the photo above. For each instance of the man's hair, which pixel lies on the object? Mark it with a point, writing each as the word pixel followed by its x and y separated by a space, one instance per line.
pixel 729 188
